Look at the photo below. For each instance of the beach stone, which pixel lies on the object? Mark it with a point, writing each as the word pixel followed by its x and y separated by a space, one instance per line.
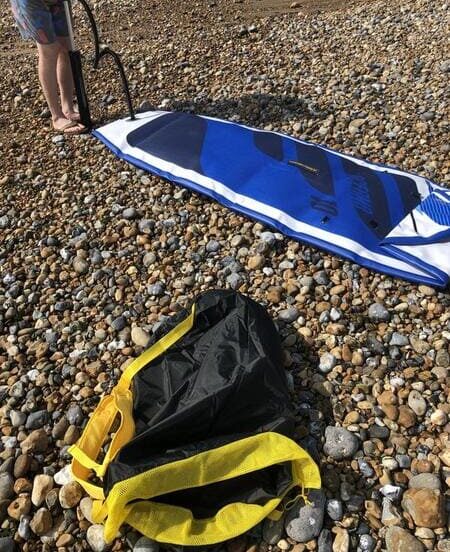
pixel 86 504
pixel 304 522
pixel 425 506
pixel 37 419
pixel 139 336
pixel 74 416
pixel 70 494
pixel 96 540
pixel 439 417
pixel 80 265
pixel 42 484
pixel 19 507
pixel 398 340
pixel 41 522
pixel 63 476
pixel 146 545
pixel 6 486
pixel 342 540
pixel 288 315
pixel 366 544
pixel 417 403
pixel 340 443
pixel 37 441
pixel 378 313
pixel 325 541
pixel 445 457
pixel 22 465
pixel 130 213
pixel 419 346
pixel 64 540
pixel 335 509
pixel 17 418
pixel 327 363
pixel 425 481
pixel 406 416
pixel 390 515
pixel 399 540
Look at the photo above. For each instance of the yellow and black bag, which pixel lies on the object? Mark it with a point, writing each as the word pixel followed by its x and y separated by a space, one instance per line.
pixel 203 451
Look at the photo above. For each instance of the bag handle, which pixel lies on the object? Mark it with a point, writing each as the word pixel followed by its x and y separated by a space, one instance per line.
pixel 130 500
pixel 120 402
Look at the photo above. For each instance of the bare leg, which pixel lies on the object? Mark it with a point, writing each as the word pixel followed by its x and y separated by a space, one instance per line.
pixel 65 80
pixel 48 57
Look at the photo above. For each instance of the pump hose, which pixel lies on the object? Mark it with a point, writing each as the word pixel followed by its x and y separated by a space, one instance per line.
pixel 103 51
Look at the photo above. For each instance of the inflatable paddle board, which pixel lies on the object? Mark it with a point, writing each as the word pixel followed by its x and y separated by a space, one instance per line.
pixel 377 216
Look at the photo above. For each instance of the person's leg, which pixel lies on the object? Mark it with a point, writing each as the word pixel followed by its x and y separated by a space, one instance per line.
pixel 65 81
pixel 47 69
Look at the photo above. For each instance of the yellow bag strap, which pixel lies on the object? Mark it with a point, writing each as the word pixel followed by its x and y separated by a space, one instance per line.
pixel 85 452
pixel 129 500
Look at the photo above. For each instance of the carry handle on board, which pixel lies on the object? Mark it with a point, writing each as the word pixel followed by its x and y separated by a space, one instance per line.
pixel 100 52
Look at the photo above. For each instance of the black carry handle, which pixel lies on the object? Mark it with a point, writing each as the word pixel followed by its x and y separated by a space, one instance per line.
pixel 75 59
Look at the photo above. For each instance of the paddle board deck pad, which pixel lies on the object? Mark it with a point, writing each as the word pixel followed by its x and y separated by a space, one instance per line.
pixel 379 217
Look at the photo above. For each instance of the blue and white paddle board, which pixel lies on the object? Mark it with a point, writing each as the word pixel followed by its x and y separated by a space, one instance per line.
pixel 377 216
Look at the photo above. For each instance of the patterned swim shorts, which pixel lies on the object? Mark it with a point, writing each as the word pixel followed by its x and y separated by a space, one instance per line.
pixel 40 20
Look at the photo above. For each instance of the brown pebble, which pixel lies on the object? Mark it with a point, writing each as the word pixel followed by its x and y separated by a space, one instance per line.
pixel 19 507
pixel 406 417
pixel 22 465
pixel 42 522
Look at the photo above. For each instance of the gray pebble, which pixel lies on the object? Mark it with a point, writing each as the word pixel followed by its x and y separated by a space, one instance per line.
pixel 6 486
pixel 24 527
pixel 393 492
pixel 378 313
pixel 335 509
pixel 17 418
pixel 325 541
pixel 156 289
pixel 146 226
pixel 130 213
pixel 288 315
pixel 304 521
pixel 75 415
pixel 340 443
pixel 321 278
pixel 119 323
pixel 235 280
pixel 327 363
pixel 148 259
pixel 398 340
pixel 36 420
pixel 146 545
pixel 268 237
pixel 212 246
pixel 366 543
pixel 404 461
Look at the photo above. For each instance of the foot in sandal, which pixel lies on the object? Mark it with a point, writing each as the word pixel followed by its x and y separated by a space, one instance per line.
pixel 72 115
pixel 68 127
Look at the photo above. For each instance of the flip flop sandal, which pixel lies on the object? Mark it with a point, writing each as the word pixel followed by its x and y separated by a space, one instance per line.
pixel 75 118
pixel 71 124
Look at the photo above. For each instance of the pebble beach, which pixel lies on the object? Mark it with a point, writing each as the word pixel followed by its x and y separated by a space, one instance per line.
pixel 95 253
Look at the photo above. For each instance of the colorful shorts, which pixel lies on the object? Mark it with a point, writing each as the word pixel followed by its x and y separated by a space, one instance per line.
pixel 40 20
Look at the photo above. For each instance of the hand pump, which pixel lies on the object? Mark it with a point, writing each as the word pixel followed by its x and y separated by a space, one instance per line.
pixel 100 52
